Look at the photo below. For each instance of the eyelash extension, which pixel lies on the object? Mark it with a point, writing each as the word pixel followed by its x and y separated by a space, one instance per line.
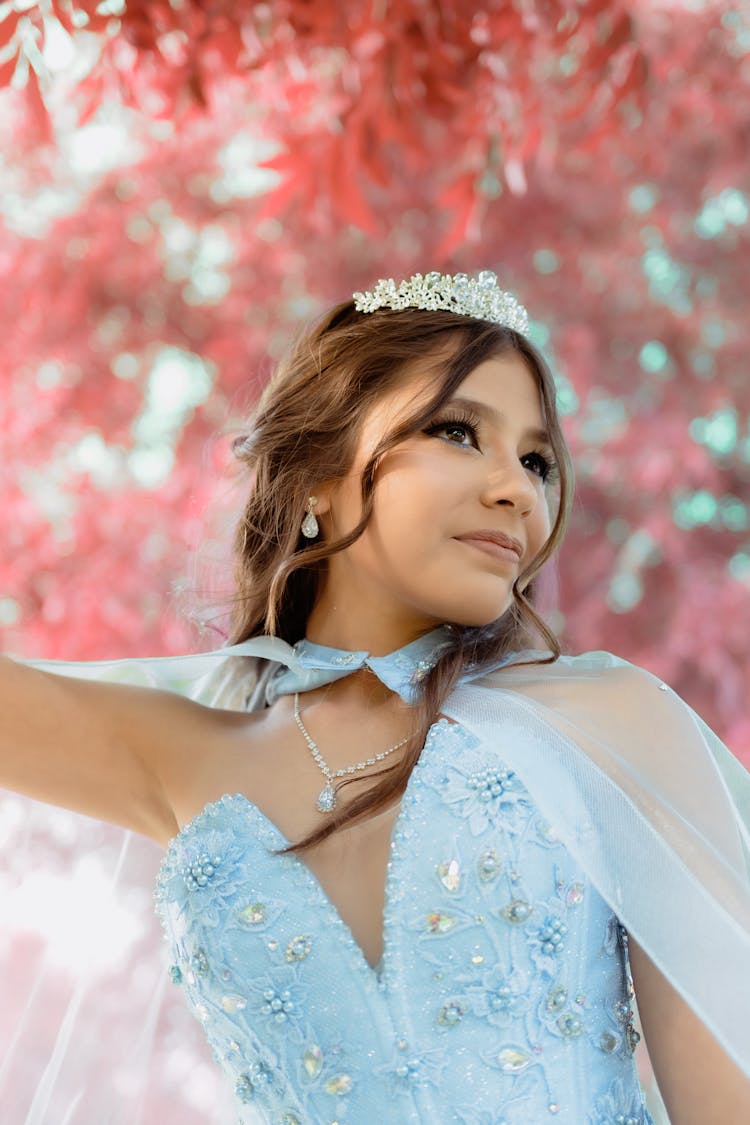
pixel 469 422
pixel 550 471
pixel 466 421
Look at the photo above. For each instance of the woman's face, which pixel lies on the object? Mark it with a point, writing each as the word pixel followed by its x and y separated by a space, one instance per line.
pixel 410 570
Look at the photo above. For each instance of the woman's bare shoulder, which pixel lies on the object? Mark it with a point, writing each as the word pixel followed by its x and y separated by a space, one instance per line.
pixel 190 747
pixel 112 751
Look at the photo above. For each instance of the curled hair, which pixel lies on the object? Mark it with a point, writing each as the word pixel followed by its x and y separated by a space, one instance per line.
pixel 305 430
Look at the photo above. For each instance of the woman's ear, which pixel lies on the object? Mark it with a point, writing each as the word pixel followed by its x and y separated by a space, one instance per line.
pixel 321 495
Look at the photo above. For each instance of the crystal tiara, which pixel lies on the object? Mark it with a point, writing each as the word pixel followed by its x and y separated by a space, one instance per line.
pixel 480 297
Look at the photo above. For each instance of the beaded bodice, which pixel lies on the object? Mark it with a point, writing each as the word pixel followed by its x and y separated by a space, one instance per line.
pixel 504 996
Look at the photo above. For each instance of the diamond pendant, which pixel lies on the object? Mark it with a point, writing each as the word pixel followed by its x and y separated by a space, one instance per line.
pixel 310 527
pixel 327 799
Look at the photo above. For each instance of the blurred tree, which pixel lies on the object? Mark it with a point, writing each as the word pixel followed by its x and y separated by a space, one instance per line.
pixel 182 184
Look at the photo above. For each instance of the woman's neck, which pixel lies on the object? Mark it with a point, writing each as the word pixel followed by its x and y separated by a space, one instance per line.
pixel 377 640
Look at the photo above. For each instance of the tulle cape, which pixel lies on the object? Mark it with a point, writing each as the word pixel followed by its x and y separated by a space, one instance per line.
pixel 646 797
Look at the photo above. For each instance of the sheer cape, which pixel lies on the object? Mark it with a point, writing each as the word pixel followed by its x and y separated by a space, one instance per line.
pixel 644 794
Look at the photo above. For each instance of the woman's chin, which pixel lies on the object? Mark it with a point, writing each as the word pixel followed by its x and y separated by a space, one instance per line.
pixel 479 617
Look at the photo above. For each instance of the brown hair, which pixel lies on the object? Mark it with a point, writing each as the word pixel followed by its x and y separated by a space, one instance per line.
pixel 304 431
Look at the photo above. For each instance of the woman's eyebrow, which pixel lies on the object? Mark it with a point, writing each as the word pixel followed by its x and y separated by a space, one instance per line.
pixel 494 417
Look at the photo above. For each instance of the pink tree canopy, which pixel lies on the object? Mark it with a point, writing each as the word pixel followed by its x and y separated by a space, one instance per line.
pixel 183 185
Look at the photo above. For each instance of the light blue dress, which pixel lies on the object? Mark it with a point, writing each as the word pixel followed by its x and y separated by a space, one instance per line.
pixel 504 994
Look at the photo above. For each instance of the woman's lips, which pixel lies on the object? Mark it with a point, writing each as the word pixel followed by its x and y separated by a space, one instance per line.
pixel 493 549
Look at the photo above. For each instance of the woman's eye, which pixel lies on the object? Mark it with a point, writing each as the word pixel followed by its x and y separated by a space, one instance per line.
pixel 547 467
pixel 461 428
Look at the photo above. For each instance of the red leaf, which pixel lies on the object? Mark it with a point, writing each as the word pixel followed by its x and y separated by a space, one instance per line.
pixel 41 124
pixel 7 70
pixel 278 199
pixel 8 27
pixel 353 207
pixel 464 225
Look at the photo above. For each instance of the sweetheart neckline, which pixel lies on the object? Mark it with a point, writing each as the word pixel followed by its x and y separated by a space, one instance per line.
pixel 375 974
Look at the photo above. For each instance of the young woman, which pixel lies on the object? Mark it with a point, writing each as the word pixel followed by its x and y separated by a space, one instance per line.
pixel 412 860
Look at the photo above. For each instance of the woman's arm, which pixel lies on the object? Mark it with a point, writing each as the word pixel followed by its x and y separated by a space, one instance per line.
pixel 97 748
pixel 698 1082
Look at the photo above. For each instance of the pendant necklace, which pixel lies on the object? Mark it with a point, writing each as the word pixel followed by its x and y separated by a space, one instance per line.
pixel 327 798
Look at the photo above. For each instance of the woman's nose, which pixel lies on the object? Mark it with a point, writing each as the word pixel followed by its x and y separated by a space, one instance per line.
pixel 511 485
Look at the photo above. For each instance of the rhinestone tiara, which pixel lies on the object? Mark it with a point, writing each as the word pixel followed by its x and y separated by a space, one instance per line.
pixel 480 297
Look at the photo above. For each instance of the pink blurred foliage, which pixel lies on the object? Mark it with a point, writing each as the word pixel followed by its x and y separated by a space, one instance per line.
pixel 438 138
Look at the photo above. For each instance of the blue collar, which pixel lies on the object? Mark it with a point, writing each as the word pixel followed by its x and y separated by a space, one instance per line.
pixel 400 671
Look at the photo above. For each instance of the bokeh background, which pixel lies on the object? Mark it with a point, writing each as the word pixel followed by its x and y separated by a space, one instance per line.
pixel 182 185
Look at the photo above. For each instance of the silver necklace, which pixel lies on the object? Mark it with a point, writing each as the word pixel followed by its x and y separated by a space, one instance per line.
pixel 327 798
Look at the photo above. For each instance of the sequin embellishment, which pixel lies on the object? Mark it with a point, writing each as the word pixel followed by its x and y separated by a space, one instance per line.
pixel 625 1016
pixel 232 1003
pixel 313 1060
pixel 517 911
pixel 253 914
pixel 199 962
pixel 341 1084
pixel 244 1088
pixel 488 865
pixel 298 948
pixel 574 896
pixel 512 1060
pixel 450 1014
pixel 450 874
pixel 557 999
pixel 437 923
pixel 570 1025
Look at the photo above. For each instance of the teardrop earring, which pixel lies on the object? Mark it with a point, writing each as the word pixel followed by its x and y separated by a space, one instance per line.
pixel 310 525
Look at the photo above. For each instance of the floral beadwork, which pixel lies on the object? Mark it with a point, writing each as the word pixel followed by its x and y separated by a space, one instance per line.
pixel 550 935
pixel 498 998
pixel 492 782
pixel 487 796
pixel 547 943
pixel 201 871
pixel 208 877
pixel 279 1005
pixel 254 1081
pixel 620 1105
pixel 486 946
